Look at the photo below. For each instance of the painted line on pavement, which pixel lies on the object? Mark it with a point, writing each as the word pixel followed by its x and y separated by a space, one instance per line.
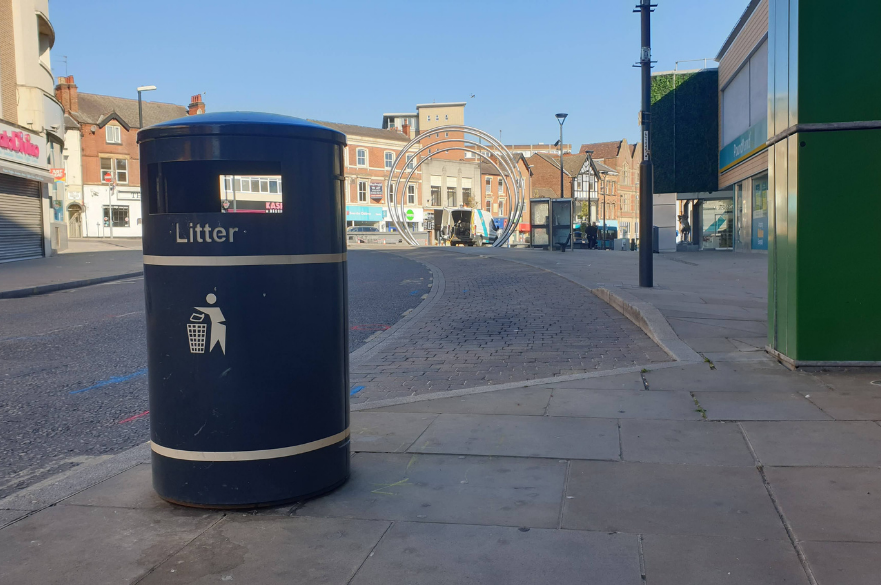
pixel 113 380
pixel 355 390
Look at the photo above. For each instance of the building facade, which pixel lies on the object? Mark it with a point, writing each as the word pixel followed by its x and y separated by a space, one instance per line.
pixel 370 154
pixel 619 186
pixel 110 202
pixel 31 134
pixel 743 133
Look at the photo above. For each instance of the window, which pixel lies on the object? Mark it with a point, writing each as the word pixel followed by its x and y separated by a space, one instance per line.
pixel 120 215
pixel 361 155
pixel 436 118
pixel 391 123
pixel 489 206
pixel 488 185
pixel 500 185
pixel 391 191
pixel 501 207
pixel 451 197
pixel 411 194
pixel 362 191
pixel 466 196
pixel 389 160
pixel 446 117
pixel 446 134
pixel 429 118
pixel 436 195
pixel 409 162
pixel 114 170
pixel 112 134
pixel 437 134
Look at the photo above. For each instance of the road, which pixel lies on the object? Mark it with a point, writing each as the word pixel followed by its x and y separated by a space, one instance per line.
pixel 72 364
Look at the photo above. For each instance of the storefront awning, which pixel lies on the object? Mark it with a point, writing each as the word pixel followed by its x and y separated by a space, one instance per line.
pixel 25 172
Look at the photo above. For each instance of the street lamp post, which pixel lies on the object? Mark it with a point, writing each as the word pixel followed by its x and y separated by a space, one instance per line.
pixel 140 109
pixel 561 118
pixel 646 221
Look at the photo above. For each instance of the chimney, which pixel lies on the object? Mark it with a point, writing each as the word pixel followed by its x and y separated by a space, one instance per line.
pixel 196 105
pixel 405 128
pixel 65 92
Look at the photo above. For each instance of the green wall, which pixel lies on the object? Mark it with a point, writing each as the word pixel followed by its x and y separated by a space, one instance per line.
pixel 824 254
pixel 685 131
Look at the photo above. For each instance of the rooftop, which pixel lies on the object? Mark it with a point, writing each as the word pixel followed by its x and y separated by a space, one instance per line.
pixel 95 109
pixel 365 131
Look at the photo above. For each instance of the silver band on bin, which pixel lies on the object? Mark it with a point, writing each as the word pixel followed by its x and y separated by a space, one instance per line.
pixel 248 455
pixel 244 260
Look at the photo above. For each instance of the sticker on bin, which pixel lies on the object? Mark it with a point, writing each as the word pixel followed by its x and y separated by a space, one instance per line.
pixel 198 330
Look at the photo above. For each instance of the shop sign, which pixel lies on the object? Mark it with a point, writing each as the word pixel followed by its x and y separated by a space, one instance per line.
pixel 59 175
pixel 21 146
pixel 376 191
pixel 744 146
pixel 129 195
pixel 414 214
pixel 364 213
pixel 74 195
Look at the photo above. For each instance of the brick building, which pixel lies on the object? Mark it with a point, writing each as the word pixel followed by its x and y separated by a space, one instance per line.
pixel 370 154
pixel 110 164
pixel 621 190
pixel 496 198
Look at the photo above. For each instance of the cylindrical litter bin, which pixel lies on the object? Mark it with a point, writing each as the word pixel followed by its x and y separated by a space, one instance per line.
pixel 246 305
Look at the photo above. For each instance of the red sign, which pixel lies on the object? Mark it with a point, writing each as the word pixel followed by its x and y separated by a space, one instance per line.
pixel 58 174
pixel 19 142
pixel 107 177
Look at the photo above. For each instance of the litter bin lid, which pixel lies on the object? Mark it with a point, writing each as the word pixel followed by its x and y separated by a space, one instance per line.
pixel 241 124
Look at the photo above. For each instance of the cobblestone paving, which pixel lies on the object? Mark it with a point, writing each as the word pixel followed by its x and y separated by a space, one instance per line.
pixel 500 322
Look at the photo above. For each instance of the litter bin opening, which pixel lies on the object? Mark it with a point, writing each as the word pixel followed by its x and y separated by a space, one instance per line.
pixel 215 186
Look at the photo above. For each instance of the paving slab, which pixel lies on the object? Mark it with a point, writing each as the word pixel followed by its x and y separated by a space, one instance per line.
pixel 836 563
pixel 438 554
pixel 856 380
pixel 387 431
pixel 825 503
pixel 525 401
pixel 850 405
pixel 521 436
pixel 748 376
pixel 447 488
pixel 816 443
pixel 685 442
pixel 623 404
pixel 687 328
pixel 130 489
pixel 758 406
pixel 706 560
pixel 631 381
pixel 737 356
pixel 271 551
pixel 705 344
pixel 650 498
pixel 74 545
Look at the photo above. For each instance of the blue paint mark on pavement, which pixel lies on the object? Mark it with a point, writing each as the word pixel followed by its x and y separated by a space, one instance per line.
pixel 355 390
pixel 113 380
pixel 415 292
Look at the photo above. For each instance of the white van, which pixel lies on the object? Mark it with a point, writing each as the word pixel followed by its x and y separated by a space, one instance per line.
pixel 470 227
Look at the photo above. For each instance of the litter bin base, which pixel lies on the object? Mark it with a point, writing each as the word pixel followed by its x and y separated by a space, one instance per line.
pixel 251 484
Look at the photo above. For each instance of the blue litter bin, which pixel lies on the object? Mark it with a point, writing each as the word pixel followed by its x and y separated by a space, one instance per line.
pixel 246 306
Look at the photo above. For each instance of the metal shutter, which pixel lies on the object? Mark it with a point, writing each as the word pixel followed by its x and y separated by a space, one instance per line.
pixel 21 219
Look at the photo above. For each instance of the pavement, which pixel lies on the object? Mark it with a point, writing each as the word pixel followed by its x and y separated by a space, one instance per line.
pixel 710 464
pixel 85 262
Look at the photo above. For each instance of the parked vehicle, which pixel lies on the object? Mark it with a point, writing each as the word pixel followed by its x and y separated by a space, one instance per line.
pixel 470 227
pixel 362 229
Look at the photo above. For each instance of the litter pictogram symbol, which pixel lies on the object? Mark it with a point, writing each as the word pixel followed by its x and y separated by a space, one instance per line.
pixel 197 329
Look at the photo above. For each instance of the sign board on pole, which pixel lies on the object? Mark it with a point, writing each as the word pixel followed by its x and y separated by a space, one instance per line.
pixel 107 177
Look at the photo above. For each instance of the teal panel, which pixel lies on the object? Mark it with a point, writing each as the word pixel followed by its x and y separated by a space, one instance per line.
pixel 792 255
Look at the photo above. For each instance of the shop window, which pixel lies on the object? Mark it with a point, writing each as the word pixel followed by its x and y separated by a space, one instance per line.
pixel 389 160
pixel 120 216
pixel 113 134
pixel 361 157
pixel 362 191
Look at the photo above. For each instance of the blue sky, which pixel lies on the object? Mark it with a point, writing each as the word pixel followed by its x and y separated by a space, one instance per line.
pixel 350 61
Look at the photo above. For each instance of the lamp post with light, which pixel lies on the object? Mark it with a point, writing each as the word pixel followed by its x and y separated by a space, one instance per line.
pixel 561 118
pixel 140 109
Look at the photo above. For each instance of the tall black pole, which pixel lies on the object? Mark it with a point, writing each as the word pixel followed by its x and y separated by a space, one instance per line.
pixel 562 193
pixel 646 221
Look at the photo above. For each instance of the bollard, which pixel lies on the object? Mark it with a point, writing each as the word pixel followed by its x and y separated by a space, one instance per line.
pixel 246 306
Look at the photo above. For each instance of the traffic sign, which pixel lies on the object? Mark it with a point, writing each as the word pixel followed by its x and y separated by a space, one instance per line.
pixel 107 177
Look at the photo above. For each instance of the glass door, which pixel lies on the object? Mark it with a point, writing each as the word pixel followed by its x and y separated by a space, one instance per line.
pixel 717 218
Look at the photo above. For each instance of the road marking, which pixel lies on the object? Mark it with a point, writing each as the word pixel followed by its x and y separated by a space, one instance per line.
pixel 131 418
pixel 113 380
pixel 244 260
pixel 355 390
pixel 248 455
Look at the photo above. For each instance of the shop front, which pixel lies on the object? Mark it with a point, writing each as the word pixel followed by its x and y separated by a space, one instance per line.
pixel 24 187
pixel 365 216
